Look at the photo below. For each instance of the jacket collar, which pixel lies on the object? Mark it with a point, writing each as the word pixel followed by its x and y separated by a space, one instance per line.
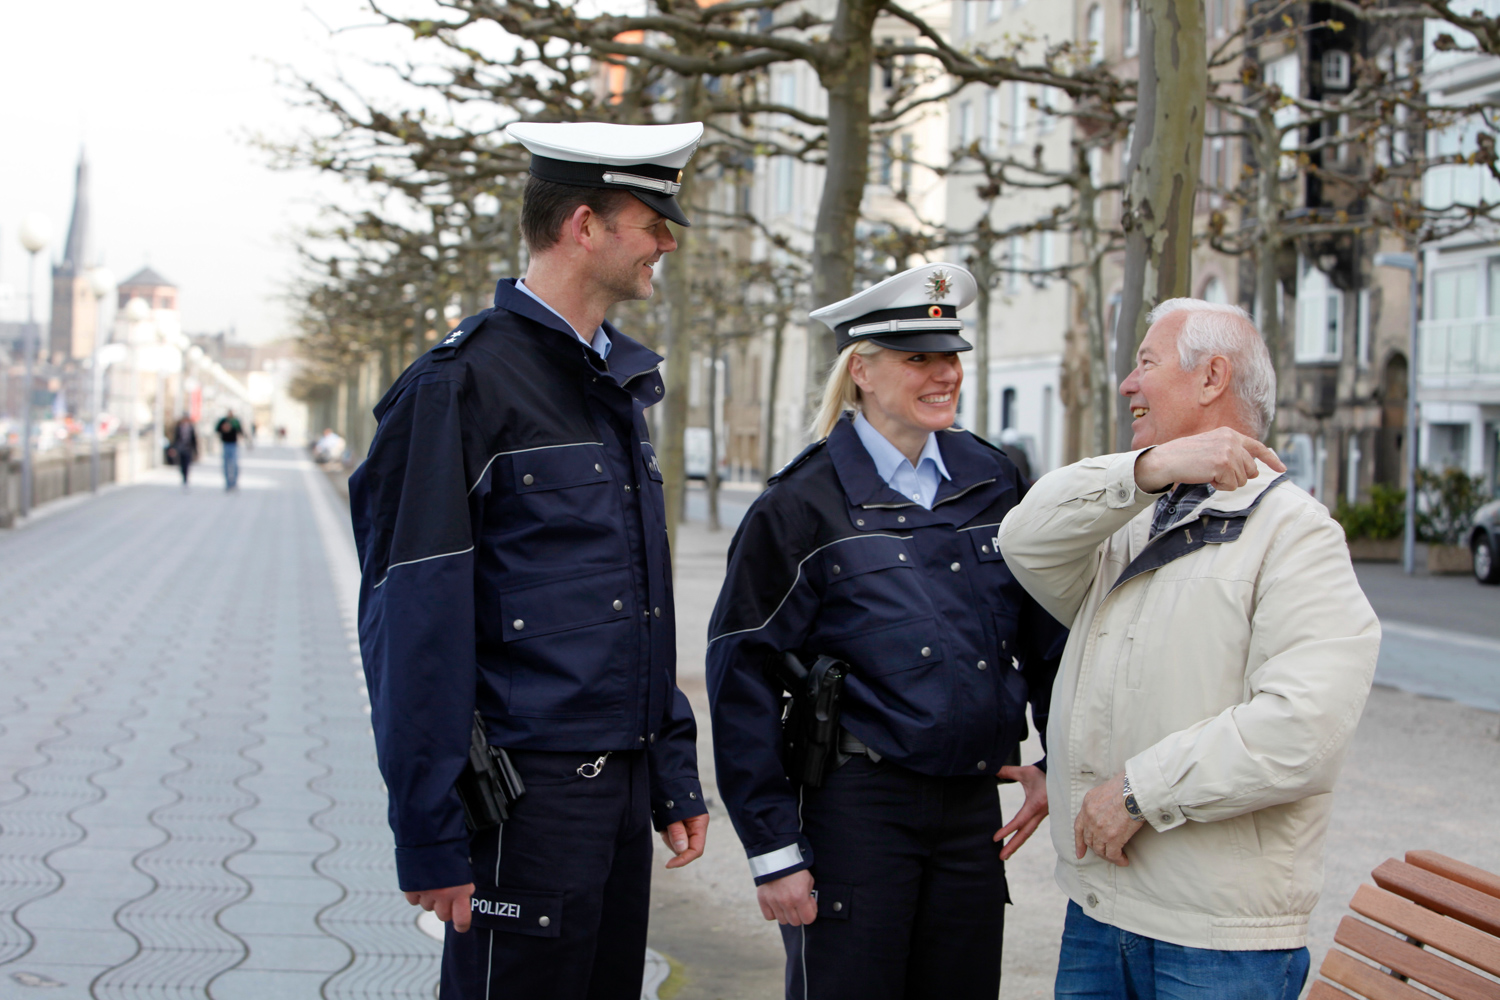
pixel 971 465
pixel 628 358
pixel 1233 501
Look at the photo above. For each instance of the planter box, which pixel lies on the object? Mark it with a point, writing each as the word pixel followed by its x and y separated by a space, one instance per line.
pixel 1375 550
pixel 1449 560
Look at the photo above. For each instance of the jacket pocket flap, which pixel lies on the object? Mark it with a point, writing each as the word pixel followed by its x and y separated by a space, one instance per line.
pixel 553 606
pixel 519 911
pixel 648 455
pixel 986 541
pixel 866 554
pixel 835 900
pixel 557 468
pixel 892 649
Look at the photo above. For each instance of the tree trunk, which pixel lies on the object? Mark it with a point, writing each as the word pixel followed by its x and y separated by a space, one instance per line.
pixel 846 76
pixel 711 480
pixel 984 277
pixel 1268 210
pixel 1164 159
pixel 778 337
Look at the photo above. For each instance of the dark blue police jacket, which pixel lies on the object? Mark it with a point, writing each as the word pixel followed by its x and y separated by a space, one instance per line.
pixel 945 646
pixel 513 543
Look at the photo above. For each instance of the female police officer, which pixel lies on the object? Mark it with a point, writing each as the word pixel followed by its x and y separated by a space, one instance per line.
pixel 876 546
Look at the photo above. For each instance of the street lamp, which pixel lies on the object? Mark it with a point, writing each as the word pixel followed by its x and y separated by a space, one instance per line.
pixel 102 284
pixel 1408 262
pixel 34 230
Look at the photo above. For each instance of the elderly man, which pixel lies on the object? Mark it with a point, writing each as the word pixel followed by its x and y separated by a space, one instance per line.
pixel 1220 656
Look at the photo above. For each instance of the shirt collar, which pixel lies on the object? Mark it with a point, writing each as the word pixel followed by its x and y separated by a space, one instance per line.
pixel 888 458
pixel 600 344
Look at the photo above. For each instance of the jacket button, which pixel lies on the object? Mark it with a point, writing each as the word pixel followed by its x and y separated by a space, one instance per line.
pixel 651 738
pixel 836 570
pixel 859 521
pixel 643 739
pixel 657 611
pixel 658 390
pixel 984 548
pixel 982 665
pixel 1091 899
pixel 1123 494
pixel 1004 643
pixel 619 605
pixel 598 467
pixel 926 650
pixel 544 921
pixel 980 765
pixel 528 479
pixel 627 489
pixel 518 624
pixel 900 518
pixel 837 907
pixel 670 803
pixel 956 567
pixel 693 795
pixel 901 556
pixel 1166 817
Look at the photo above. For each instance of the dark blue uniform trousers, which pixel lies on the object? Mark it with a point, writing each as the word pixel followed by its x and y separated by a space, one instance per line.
pixel 911 889
pixel 562 890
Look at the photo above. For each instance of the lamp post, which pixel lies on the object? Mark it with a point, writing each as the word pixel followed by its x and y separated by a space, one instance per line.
pixel 1408 262
pixel 102 284
pixel 34 229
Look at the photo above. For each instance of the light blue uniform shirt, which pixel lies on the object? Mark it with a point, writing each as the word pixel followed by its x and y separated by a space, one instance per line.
pixel 600 344
pixel 919 483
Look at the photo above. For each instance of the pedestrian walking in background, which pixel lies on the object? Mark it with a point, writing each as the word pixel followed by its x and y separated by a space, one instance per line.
pixel 229 431
pixel 876 546
pixel 1220 657
pixel 184 447
pixel 513 546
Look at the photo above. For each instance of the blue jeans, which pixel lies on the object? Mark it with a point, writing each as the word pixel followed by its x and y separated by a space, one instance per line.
pixel 1106 963
pixel 231 465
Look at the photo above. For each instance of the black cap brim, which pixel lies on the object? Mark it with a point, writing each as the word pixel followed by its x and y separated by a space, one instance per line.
pixel 664 203
pixel 922 342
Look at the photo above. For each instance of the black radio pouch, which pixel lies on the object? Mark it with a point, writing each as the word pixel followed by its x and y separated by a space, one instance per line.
pixel 810 715
pixel 489 784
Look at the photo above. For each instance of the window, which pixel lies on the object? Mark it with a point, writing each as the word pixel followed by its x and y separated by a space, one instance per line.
pixel 1455 294
pixel 1362 329
pixel 1218 18
pixel 783 184
pixel 888 69
pixel 885 162
pixel 1320 316
pixel 1132 27
pixel 992 119
pixel 1043 256
pixel 1017 113
pixel 1013 261
pixel 1007 408
pixel 968 16
pixel 906 144
pixel 997 7
pixel 965 124
pixel 1447 446
pixel 1094 33
pixel 1336 69
pixel 1213 291
pixel 1286 73
pixel 1047 100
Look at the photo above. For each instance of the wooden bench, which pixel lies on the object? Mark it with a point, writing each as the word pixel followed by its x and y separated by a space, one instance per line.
pixel 1433 902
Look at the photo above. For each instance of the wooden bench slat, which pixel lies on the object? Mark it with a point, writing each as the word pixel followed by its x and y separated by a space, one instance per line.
pixel 1366 980
pixel 1322 991
pixel 1435 892
pixel 1444 933
pixel 1456 871
pixel 1414 963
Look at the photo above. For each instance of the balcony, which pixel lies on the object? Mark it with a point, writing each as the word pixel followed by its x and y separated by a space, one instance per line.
pixel 1460 360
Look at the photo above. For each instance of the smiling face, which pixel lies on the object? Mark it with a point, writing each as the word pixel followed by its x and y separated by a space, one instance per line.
pixel 629 247
pixel 908 394
pixel 1164 399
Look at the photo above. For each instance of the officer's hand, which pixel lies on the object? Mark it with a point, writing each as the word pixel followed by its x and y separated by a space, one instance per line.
pixel 1222 457
pixel 451 903
pixel 685 839
pixel 1104 825
pixel 789 900
pixel 1024 823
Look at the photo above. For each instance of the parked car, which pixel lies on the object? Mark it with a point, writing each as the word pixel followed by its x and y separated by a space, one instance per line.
pixel 1484 542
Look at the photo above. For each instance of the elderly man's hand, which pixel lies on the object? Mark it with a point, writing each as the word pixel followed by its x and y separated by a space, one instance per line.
pixel 1223 457
pixel 1104 825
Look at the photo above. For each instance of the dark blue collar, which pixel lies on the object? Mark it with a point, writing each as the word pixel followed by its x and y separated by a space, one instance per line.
pixel 627 358
pixel 971 464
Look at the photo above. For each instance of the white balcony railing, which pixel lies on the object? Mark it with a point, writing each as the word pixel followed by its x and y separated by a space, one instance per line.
pixel 1460 348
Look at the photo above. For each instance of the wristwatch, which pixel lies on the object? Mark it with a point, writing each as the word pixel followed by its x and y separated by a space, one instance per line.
pixel 1131 806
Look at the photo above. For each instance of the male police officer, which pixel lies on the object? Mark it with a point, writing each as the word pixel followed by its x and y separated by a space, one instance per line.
pixel 512 537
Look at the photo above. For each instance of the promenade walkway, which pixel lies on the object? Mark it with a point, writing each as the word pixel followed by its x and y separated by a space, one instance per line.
pixel 189 804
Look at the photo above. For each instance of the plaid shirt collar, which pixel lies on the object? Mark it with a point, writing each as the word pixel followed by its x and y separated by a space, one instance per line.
pixel 1169 507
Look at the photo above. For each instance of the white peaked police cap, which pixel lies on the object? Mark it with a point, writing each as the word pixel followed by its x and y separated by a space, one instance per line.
pixel 916 310
pixel 645 160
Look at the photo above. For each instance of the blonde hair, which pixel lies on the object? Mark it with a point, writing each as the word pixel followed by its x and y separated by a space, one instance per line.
pixel 839 392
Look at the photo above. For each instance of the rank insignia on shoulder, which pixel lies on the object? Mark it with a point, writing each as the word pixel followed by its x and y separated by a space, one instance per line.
pixel 461 332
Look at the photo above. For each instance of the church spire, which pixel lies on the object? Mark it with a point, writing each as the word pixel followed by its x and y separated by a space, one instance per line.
pixel 75 261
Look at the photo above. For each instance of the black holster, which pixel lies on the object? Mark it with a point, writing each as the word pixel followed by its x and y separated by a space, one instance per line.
pixel 809 716
pixel 489 784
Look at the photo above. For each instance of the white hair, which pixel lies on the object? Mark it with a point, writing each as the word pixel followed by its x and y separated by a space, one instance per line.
pixel 1216 329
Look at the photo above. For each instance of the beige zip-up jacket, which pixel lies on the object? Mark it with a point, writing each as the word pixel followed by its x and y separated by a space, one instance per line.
pixel 1224 666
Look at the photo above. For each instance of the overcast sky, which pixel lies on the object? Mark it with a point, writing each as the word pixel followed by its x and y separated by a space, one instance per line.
pixel 165 95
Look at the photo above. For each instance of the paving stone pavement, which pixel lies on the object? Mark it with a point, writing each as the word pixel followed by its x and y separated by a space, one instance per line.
pixel 189 804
